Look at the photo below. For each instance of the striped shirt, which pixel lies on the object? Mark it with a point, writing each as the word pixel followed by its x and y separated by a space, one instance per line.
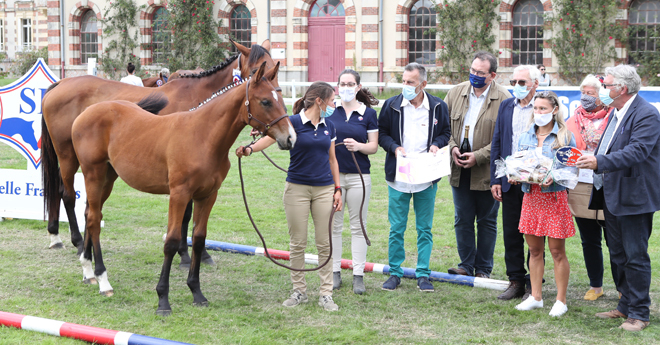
pixel 522 117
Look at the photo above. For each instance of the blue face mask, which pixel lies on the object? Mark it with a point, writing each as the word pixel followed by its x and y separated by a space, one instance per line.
pixel 165 79
pixel 409 93
pixel 327 112
pixel 520 92
pixel 476 81
pixel 604 95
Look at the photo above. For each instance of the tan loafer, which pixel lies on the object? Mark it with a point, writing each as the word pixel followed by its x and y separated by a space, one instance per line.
pixel 634 325
pixel 591 295
pixel 612 314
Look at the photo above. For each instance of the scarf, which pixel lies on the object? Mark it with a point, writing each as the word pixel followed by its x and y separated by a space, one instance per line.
pixel 584 120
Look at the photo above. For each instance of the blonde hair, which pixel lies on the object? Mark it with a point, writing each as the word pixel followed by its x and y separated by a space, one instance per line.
pixel 563 135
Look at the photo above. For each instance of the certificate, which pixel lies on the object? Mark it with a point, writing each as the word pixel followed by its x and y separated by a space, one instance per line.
pixel 586 175
pixel 416 168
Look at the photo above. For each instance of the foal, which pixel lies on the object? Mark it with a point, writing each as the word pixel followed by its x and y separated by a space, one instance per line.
pixel 183 154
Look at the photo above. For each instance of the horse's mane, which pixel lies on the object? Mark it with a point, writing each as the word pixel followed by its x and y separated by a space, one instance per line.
pixel 256 53
pixel 213 69
pixel 219 92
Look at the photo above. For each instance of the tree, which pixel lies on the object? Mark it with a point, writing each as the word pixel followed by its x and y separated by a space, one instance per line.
pixel 465 26
pixel 583 37
pixel 195 40
pixel 25 60
pixel 120 19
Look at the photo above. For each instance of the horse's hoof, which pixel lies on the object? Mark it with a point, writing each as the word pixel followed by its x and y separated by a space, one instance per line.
pixel 167 312
pixel 185 267
pixel 201 304
pixel 108 293
pixel 209 261
pixel 90 281
pixel 59 245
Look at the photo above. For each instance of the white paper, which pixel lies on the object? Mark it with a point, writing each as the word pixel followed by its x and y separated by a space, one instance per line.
pixel 586 175
pixel 423 167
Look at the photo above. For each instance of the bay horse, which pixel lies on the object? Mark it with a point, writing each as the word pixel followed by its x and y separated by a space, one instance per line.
pixel 69 97
pixel 152 81
pixel 185 155
pixel 179 73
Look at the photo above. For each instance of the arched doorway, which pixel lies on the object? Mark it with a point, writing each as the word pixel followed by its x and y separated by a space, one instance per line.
pixel 326 41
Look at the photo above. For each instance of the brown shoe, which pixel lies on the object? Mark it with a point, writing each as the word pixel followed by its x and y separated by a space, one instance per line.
pixel 515 290
pixel 458 271
pixel 482 275
pixel 634 325
pixel 612 314
pixel 528 292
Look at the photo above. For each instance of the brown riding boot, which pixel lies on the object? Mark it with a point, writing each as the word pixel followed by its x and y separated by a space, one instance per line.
pixel 515 290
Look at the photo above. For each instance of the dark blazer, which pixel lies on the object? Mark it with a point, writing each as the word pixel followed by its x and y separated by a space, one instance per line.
pixel 501 145
pixel 390 129
pixel 631 165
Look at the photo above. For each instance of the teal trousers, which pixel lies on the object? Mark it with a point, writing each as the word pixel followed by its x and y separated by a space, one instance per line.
pixel 399 205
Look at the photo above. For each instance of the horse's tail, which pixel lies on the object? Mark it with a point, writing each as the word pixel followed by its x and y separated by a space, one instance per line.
pixel 50 173
pixel 153 103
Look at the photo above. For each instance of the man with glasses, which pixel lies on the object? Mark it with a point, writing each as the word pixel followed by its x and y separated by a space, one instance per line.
pixel 544 80
pixel 413 122
pixel 513 118
pixel 626 177
pixel 473 106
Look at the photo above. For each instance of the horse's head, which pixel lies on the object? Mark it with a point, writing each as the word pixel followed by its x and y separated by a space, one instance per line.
pixel 265 110
pixel 252 58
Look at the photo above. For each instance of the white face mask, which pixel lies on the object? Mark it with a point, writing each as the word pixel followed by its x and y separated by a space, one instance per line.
pixel 347 94
pixel 543 119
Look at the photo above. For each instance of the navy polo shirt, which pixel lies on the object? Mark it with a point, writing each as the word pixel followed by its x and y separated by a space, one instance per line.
pixel 310 157
pixel 361 122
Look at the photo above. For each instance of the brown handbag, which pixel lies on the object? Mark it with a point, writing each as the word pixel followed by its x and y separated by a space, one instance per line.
pixel 578 202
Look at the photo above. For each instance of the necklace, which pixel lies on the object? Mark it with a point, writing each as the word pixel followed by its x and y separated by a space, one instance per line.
pixel 542 135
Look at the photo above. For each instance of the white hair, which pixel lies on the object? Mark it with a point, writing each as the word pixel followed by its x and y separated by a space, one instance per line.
pixel 590 80
pixel 534 73
pixel 165 71
pixel 625 75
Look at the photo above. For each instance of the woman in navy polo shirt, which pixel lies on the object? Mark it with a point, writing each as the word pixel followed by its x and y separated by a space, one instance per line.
pixel 357 128
pixel 312 184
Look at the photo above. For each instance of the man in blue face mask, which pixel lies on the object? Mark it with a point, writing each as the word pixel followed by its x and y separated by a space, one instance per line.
pixel 412 122
pixel 513 118
pixel 473 106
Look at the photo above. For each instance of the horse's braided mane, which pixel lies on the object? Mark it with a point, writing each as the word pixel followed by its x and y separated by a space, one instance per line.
pixel 213 69
pixel 219 92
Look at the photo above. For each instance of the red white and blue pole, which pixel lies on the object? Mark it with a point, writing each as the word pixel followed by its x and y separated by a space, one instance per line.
pixel 71 330
pixel 492 284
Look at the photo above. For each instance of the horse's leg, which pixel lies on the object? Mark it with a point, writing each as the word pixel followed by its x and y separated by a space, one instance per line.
pixel 86 256
pixel 183 247
pixel 68 168
pixel 203 209
pixel 99 270
pixel 177 208
pixel 54 218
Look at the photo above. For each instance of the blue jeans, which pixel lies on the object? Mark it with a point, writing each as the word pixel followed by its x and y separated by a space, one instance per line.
pixel 468 205
pixel 399 205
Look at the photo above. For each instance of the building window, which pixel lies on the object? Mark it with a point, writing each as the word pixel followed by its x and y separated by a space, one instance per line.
pixel 528 33
pixel 26 34
pixel 327 8
pixel 644 20
pixel 88 37
pixel 421 40
pixel 160 36
pixel 2 35
pixel 240 26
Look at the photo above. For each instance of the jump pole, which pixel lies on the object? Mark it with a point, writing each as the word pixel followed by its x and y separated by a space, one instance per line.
pixel 71 330
pixel 311 259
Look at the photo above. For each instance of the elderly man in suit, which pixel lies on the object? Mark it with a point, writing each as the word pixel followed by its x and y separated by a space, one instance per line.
pixel 626 174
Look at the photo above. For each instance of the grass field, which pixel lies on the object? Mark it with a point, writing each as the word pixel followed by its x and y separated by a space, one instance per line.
pixel 245 293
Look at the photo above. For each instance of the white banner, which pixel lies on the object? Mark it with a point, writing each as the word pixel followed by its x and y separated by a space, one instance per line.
pixel 423 167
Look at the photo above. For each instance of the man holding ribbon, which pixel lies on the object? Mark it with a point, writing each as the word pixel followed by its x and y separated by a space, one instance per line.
pixel 626 177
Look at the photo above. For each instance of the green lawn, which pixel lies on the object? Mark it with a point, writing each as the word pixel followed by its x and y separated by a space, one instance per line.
pixel 6 81
pixel 245 293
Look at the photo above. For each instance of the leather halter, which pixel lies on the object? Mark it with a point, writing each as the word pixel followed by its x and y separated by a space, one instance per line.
pixel 267 126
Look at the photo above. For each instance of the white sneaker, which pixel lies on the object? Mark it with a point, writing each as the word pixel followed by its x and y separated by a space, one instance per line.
pixel 529 304
pixel 327 303
pixel 558 309
pixel 296 298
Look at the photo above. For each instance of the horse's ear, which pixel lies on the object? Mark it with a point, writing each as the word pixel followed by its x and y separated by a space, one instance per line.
pixel 260 73
pixel 241 48
pixel 266 45
pixel 272 73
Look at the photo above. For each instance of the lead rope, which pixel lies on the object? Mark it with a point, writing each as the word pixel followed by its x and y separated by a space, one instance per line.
pixel 332 213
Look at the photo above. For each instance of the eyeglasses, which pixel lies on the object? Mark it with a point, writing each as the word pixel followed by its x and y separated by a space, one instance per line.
pixel 520 82
pixel 478 73
pixel 606 85
pixel 542 69
pixel 347 84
